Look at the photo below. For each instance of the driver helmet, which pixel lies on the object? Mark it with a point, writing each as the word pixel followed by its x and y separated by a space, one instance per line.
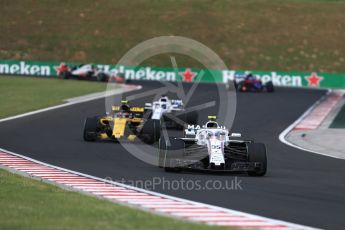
pixel 250 76
pixel 124 106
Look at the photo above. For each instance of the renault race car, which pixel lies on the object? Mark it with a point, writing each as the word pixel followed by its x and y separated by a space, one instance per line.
pixel 89 72
pixel 249 83
pixel 125 123
pixel 211 147
pixel 171 112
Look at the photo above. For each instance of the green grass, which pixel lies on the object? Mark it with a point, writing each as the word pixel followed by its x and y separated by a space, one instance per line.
pixel 339 120
pixel 24 94
pixel 300 35
pixel 30 204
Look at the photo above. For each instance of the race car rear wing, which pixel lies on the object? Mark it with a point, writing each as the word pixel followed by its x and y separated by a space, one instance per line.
pixel 176 105
pixel 148 105
pixel 136 109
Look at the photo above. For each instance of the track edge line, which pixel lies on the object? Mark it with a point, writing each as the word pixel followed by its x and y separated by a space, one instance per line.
pixel 284 133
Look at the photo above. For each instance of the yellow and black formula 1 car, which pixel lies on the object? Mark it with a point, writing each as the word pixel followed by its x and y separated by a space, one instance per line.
pixel 125 123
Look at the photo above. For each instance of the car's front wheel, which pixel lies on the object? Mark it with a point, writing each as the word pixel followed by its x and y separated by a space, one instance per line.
pixel 257 154
pixel 102 77
pixel 172 153
pixel 151 130
pixel 242 87
pixel 269 87
pixel 90 129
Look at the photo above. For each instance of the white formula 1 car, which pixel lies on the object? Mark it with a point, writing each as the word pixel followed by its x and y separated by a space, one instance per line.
pixel 89 72
pixel 211 147
pixel 171 112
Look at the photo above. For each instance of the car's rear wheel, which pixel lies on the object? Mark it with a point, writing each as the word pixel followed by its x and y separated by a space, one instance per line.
pixel 269 87
pixel 257 154
pixel 242 87
pixel 162 147
pixel 102 77
pixel 235 84
pixel 64 75
pixel 90 129
pixel 151 130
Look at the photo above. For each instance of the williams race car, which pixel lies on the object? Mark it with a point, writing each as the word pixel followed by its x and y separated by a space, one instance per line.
pixel 171 112
pixel 250 83
pixel 212 148
pixel 125 123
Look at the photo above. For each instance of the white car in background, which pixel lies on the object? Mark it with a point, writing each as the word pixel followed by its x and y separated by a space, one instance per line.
pixel 89 72
pixel 170 111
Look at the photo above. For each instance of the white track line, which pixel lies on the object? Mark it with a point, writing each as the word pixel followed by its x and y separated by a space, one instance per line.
pixel 143 199
pixel 320 112
pixel 282 135
pixel 74 101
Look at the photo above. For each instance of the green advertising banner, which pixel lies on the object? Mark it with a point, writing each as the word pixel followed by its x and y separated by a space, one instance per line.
pixel 279 78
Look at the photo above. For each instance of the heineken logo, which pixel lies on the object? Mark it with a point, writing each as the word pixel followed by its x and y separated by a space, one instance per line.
pixel 187 75
pixel 150 74
pixel 294 79
pixel 276 78
pixel 147 73
pixel 61 68
pixel 24 68
pixel 314 80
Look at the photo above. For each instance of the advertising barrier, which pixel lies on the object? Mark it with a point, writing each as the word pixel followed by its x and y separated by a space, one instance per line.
pixel 279 78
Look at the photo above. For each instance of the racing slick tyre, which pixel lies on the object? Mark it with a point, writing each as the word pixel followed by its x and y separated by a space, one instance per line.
pixel 162 145
pixel 90 129
pixel 147 114
pixel 235 84
pixel 257 154
pixel 151 130
pixel 242 87
pixel 64 75
pixel 269 87
pixel 172 151
pixel 88 76
pixel 102 77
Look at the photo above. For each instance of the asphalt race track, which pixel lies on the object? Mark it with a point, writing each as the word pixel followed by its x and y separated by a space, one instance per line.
pixel 300 187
